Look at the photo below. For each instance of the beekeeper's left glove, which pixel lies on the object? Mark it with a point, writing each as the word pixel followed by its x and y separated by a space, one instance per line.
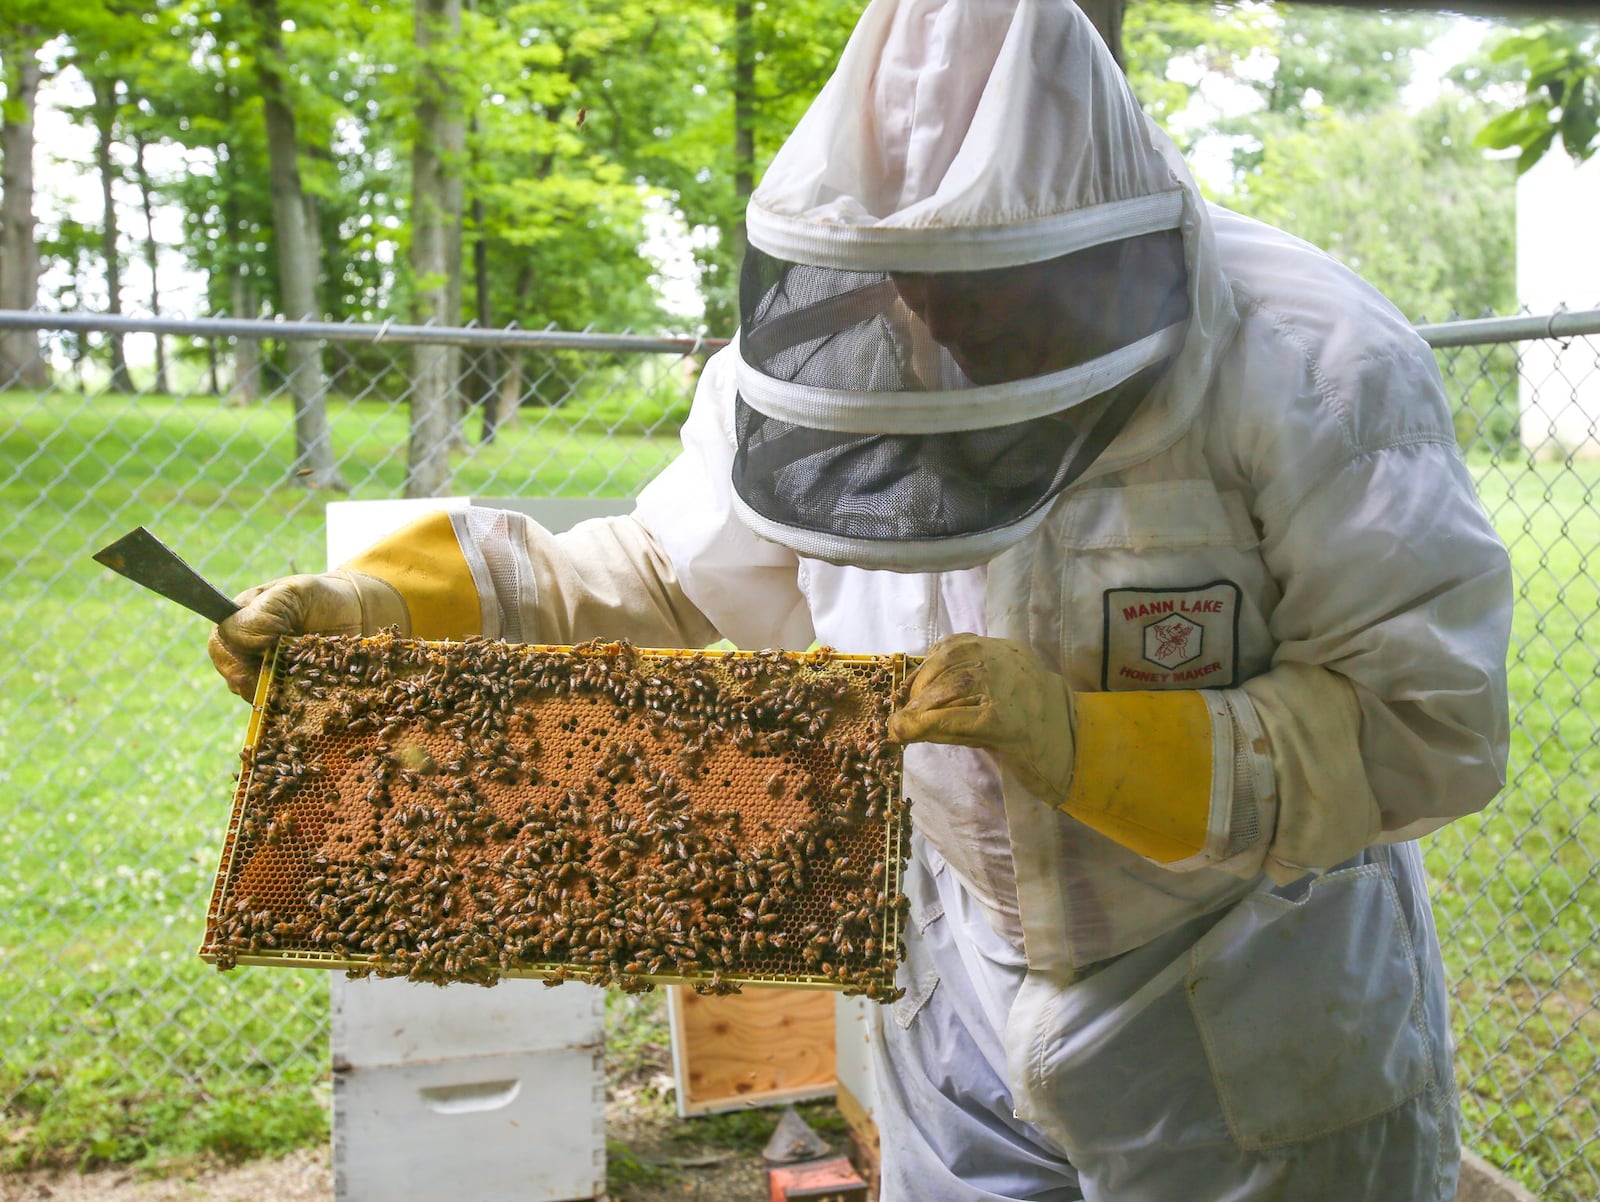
pixel 1137 767
pixel 992 693
pixel 1266 777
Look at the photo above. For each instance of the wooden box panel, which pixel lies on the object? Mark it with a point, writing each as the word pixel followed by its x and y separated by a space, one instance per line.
pixel 762 1047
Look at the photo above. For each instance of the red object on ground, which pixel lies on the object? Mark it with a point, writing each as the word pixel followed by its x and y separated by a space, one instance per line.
pixel 830 1180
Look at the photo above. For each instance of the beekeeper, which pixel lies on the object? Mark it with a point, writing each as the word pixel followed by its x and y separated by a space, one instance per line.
pixel 1215 625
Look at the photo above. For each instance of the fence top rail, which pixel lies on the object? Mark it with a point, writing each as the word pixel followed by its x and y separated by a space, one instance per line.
pixel 1471 332
pixel 335 331
pixel 1481 330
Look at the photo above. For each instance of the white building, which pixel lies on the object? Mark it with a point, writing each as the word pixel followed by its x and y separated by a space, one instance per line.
pixel 1558 267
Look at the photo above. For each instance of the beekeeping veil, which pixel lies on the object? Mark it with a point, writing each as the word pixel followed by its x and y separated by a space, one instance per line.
pixel 970 268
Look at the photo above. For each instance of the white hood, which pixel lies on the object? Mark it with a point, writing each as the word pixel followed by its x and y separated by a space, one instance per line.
pixel 966 135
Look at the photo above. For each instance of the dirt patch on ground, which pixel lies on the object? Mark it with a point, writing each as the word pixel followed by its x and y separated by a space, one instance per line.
pixel 304 1176
pixel 652 1156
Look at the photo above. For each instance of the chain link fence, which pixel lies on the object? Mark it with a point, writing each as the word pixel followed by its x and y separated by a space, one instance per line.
pixel 116 1042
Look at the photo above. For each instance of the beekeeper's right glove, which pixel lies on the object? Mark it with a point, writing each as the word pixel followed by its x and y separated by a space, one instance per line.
pixel 416 580
pixel 330 603
pixel 477 572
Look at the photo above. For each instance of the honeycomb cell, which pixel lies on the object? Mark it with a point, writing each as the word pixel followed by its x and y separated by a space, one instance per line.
pixel 468 811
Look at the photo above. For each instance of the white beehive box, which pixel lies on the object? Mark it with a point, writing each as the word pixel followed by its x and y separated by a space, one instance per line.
pixel 463 1091
pixel 855 1023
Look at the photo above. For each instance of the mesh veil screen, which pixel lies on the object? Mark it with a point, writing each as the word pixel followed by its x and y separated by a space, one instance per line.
pixel 830 328
pixel 875 332
pixel 903 486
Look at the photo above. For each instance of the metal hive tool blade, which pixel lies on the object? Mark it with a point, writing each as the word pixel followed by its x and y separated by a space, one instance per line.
pixel 145 559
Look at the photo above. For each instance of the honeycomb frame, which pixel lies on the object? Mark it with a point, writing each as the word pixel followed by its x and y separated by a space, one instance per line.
pixel 467 811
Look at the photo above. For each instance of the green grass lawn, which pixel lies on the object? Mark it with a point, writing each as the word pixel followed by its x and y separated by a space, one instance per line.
pixel 1516 886
pixel 118 1044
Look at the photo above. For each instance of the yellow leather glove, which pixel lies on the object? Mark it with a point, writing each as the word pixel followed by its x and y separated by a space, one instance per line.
pixel 992 693
pixel 416 579
pixel 330 603
pixel 1137 767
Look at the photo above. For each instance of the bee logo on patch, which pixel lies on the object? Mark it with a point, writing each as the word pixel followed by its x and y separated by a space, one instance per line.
pixel 1173 641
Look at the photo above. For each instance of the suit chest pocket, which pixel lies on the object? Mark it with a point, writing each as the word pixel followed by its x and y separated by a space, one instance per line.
pixel 1163 587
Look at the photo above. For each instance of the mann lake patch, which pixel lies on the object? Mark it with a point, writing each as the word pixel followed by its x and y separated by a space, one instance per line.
pixel 1171 638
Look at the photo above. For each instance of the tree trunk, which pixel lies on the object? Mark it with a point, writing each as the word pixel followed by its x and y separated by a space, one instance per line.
pixel 243 303
pixel 151 256
pixel 1106 16
pixel 105 119
pixel 21 363
pixel 294 229
pixel 246 388
pixel 744 115
pixel 454 263
pixel 508 388
pixel 486 364
pixel 436 191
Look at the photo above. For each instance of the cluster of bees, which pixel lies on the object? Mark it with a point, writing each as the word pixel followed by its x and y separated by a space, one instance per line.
pixel 466 811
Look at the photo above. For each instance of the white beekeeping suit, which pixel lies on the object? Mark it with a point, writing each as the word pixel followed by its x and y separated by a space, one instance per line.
pixel 1215 623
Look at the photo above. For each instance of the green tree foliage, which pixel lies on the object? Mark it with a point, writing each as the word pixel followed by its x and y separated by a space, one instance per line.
pixel 212 109
pixel 1559 66
pixel 676 126
pixel 599 130
pixel 1354 63
pixel 1407 201
pixel 1216 39
pixel 560 93
pixel 1402 194
pixel 1334 154
pixel 1323 61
